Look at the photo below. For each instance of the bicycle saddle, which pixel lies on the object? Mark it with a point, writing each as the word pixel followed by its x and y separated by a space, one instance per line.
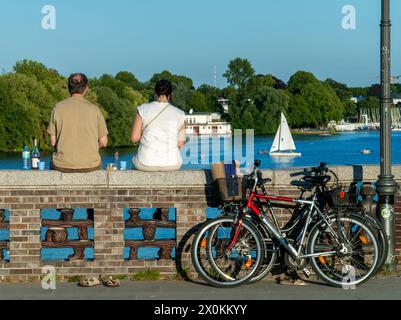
pixel 317 180
pixel 265 181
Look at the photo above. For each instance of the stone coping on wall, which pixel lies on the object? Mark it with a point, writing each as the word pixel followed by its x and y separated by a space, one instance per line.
pixel 116 179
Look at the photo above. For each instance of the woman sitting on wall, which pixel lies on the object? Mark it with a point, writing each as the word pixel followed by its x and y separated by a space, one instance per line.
pixel 160 129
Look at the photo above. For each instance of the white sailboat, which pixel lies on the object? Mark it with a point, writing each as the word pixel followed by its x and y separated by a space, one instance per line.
pixel 284 145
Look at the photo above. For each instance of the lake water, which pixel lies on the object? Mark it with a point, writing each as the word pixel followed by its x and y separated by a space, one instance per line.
pixel 340 149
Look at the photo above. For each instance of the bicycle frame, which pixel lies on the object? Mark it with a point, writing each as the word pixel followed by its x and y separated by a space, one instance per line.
pixel 275 231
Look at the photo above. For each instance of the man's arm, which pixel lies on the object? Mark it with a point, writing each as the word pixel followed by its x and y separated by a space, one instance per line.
pixel 52 130
pixel 53 140
pixel 102 131
pixel 103 142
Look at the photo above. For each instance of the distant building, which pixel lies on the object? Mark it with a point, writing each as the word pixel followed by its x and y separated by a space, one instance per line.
pixel 358 99
pixel 202 123
pixel 224 104
pixel 396 98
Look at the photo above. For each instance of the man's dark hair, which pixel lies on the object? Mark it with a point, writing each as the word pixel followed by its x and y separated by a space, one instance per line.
pixel 164 88
pixel 77 83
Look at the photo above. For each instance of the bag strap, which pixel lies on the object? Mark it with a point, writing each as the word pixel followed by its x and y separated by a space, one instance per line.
pixel 157 116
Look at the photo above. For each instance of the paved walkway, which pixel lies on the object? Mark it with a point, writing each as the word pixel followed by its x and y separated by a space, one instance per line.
pixel 389 288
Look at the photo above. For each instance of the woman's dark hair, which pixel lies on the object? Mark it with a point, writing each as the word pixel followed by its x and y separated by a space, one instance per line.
pixel 77 83
pixel 164 88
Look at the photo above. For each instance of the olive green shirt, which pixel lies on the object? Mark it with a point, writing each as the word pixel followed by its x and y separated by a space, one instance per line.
pixel 78 125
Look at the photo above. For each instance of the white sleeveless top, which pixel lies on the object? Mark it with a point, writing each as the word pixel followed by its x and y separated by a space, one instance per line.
pixel 159 143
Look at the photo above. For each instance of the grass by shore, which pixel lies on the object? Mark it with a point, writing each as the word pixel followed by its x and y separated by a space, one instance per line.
pixel 313 132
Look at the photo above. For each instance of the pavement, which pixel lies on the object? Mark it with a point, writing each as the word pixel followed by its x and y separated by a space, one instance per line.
pixel 375 289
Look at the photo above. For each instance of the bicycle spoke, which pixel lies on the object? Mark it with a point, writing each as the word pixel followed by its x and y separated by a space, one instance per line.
pixel 239 262
pixel 359 251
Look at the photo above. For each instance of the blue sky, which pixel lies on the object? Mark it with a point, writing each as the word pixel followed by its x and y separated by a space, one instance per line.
pixel 192 36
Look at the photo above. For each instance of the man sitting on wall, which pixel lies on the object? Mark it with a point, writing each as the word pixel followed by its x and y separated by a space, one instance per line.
pixel 77 130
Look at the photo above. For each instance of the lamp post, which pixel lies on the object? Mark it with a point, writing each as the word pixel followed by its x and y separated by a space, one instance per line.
pixel 386 185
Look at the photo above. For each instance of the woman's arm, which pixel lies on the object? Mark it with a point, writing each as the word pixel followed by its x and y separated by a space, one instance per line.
pixel 182 137
pixel 136 134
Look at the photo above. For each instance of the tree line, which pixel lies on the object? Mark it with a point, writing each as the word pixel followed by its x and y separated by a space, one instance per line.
pixel 29 93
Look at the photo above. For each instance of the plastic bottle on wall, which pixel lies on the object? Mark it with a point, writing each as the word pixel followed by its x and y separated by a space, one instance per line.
pixel 26 157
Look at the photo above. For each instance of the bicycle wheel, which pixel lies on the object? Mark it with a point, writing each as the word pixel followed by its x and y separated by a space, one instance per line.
pixel 203 267
pixel 269 257
pixel 356 255
pixel 381 239
pixel 199 255
pixel 235 250
pixel 223 268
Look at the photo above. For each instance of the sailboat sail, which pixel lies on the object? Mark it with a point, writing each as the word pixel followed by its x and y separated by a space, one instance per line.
pixel 287 142
pixel 283 140
pixel 276 142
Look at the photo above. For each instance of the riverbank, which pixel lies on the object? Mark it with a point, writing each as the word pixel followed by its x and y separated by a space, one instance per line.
pixel 312 132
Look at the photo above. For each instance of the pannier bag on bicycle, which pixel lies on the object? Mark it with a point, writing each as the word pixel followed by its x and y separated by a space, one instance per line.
pixel 343 197
pixel 229 182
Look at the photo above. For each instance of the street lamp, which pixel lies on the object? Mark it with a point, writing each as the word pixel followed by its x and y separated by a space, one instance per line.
pixel 386 185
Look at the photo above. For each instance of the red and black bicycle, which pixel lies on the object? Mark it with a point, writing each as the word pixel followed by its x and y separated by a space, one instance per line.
pixel 243 244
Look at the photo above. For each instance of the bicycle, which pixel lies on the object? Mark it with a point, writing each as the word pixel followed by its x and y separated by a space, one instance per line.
pixel 235 256
pixel 345 198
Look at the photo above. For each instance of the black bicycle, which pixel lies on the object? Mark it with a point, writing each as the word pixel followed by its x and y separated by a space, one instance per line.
pixel 243 244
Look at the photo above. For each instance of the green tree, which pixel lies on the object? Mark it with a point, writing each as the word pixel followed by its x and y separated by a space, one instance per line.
pixel 121 116
pixel 248 121
pixel 212 95
pixel 359 92
pixel 239 73
pixel 299 114
pixel 261 80
pixel 321 100
pixel 369 103
pixel 396 88
pixel 182 96
pixel 270 103
pixel 175 79
pixel 369 106
pixel 198 102
pixel 342 91
pixel 55 83
pixel 299 81
pixel 130 80
pixel 120 88
pixel 25 108
pixel 350 111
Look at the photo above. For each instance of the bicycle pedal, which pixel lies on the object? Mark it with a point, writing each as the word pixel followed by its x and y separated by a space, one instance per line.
pixel 307 273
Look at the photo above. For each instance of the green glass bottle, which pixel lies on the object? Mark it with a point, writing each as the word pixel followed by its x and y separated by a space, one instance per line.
pixel 35 156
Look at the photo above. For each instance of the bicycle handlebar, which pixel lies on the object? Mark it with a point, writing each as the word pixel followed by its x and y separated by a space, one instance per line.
pixel 322 169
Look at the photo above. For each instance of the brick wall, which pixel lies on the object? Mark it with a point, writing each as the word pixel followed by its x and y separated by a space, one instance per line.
pixel 24 194
pixel 108 205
